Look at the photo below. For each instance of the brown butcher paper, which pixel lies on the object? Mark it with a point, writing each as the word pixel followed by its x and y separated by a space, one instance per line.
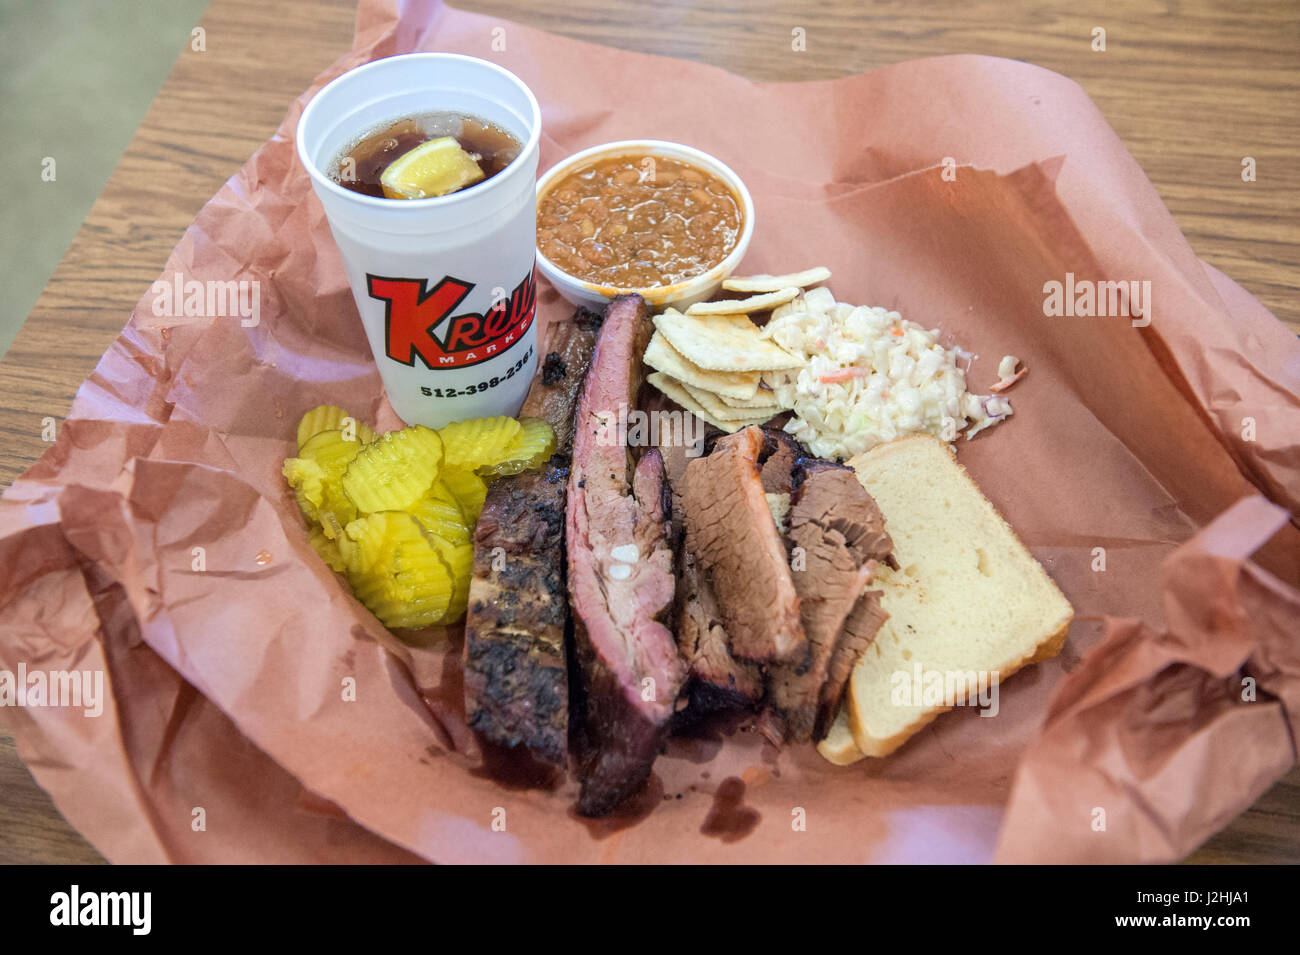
pixel 1150 466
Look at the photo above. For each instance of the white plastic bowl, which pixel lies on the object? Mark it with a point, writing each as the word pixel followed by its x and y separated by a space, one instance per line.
pixel 680 294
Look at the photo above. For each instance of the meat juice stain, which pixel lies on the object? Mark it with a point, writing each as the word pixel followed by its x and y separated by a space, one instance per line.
pixel 446 701
pixel 694 747
pixel 629 813
pixel 515 768
pixel 263 558
pixel 729 819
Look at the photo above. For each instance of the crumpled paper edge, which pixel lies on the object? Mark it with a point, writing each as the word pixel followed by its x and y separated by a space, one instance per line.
pixel 1218 661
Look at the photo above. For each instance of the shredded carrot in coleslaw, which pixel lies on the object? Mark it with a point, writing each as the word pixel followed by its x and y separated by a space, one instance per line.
pixel 891 378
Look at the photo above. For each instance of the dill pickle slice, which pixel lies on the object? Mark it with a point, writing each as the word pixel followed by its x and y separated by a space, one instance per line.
pixel 393 472
pixel 333 453
pixel 332 418
pixel 397 570
pixel 306 478
pixel 441 514
pixel 469 490
pixel 327 547
pixel 332 528
pixel 532 448
pixel 475 442
pixel 460 561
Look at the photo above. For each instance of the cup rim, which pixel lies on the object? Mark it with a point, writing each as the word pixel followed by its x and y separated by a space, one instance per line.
pixel 666 293
pixel 532 144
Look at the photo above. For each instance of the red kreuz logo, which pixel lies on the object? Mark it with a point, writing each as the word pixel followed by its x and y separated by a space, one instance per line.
pixel 418 321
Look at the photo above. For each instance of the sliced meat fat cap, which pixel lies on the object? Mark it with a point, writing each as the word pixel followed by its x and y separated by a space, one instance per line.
pixel 837 501
pixel 621 580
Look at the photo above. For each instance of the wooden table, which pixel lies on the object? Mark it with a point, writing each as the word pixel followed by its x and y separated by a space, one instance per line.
pixel 1191 86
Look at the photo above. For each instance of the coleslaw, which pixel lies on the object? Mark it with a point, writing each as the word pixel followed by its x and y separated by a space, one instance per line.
pixel 870 376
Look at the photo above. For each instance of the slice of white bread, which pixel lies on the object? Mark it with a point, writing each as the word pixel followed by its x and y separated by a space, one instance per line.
pixel 838 746
pixel 967 595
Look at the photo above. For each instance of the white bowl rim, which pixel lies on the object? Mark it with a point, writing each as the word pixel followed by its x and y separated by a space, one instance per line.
pixel 691 154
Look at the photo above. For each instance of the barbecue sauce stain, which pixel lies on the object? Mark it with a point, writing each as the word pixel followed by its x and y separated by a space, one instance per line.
pixel 729 819
pixel 629 812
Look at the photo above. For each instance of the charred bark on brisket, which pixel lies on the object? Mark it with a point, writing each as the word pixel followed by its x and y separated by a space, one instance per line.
pixel 516 675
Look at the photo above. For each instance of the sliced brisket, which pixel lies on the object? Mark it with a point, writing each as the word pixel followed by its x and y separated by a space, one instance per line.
pixel 716 680
pixel 860 628
pixel 837 535
pixel 516 684
pixel 783 454
pixel 621 582
pixel 731 533
pixel 555 390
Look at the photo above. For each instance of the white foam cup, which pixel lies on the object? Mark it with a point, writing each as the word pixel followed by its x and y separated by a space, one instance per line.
pixel 445 286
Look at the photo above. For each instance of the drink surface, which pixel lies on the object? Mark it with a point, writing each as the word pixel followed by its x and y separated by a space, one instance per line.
pixel 361 166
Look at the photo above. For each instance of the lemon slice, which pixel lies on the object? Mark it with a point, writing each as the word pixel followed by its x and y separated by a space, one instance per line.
pixel 433 168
